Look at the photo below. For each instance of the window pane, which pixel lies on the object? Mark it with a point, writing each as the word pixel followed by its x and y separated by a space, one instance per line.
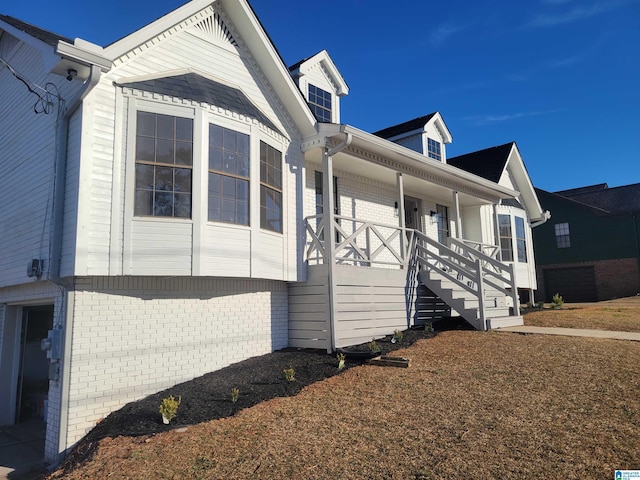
pixel 164 179
pixel 146 124
pixel 214 209
pixel 228 211
pixel 164 151
pixel 182 205
pixel 166 127
pixel 144 203
pixel 228 187
pixel 184 153
pixel 242 190
pixel 215 184
pixel 184 129
pixel 145 149
pixel 163 204
pixel 215 159
pixel 182 180
pixel 144 176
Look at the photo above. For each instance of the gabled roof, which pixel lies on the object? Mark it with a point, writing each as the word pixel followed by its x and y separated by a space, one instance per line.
pixel 325 60
pixel 488 163
pixel 191 86
pixel 491 164
pixel 45 36
pixel 622 199
pixel 416 125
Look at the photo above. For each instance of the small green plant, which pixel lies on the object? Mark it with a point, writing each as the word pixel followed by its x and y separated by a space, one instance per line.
pixel 397 336
pixel 341 358
pixel 169 408
pixel 540 305
pixel 235 393
pixel 290 374
pixel 557 301
pixel 428 327
pixel 373 346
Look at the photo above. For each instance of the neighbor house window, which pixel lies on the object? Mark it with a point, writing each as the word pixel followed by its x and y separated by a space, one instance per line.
pixel 442 216
pixel 320 103
pixel 433 149
pixel 164 161
pixel 506 238
pixel 228 193
pixel 563 238
pixel 270 188
pixel 521 241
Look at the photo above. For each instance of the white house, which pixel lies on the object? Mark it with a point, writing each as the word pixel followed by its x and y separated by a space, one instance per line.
pixel 167 202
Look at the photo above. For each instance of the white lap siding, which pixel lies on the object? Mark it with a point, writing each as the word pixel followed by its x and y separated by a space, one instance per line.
pixel 135 336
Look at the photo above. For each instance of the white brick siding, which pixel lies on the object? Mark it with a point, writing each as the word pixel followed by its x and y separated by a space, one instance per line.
pixel 134 336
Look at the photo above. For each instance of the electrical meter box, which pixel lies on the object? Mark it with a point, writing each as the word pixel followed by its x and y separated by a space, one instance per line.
pixel 53 344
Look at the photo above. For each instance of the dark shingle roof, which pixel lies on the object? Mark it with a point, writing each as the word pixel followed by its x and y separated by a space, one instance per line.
pixel 45 36
pixel 411 125
pixel 623 199
pixel 192 86
pixel 488 163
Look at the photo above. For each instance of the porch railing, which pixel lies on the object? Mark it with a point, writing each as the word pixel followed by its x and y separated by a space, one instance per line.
pixel 358 242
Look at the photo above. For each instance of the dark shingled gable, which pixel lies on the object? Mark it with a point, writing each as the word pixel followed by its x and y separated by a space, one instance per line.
pixel 410 126
pixel 488 163
pixel 45 36
pixel 192 86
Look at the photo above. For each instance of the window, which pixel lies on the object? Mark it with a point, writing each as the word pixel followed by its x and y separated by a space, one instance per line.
pixel 270 188
pixel 563 238
pixel 442 216
pixel 164 161
pixel 521 242
pixel 320 201
pixel 228 176
pixel 506 239
pixel 320 103
pixel 433 149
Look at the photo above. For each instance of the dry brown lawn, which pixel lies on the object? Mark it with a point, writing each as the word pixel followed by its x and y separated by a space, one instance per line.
pixel 621 315
pixel 472 405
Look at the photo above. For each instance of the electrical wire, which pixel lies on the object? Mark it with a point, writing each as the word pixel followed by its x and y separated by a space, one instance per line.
pixel 44 103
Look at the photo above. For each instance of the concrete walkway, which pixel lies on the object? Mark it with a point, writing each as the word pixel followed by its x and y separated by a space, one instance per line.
pixel 22 450
pixel 573 332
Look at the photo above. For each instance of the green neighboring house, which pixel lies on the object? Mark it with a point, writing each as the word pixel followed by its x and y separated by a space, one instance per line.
pixel 590 249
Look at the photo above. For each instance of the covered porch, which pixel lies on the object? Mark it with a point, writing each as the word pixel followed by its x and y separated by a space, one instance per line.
pixel 403 228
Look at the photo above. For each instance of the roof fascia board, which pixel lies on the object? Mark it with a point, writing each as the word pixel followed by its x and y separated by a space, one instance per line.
pixel 46 50
pixel 409 158
pixel 525 187
pixel 81 55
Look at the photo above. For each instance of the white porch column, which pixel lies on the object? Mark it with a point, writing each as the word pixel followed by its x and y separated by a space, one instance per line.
pixel 496 230
pixel 456 206
pixel 329 242
pixel 401 217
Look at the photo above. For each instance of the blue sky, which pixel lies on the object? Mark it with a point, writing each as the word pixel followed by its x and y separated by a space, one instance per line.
pixel 560 77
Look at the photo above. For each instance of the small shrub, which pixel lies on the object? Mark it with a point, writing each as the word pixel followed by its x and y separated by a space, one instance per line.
pixel 557 301
pixel 540 305
pixel 169 407
pixel 341 358
pixel 373 346
pixel 235 393
pixel 397 336
pixel 290 374
pixel 428 327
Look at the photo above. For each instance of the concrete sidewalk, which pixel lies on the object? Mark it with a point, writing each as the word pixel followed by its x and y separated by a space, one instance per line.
pixel 573 332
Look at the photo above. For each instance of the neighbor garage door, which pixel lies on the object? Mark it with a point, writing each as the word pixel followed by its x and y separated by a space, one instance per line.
pixel 573 284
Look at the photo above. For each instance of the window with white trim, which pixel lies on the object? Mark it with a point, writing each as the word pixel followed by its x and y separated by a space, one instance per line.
pixel 563 236
pixel 163 165
pixel 434 149
pixel 228 186
pixel 506 239
pixel 270 188
pixel 320 103
pixel 442 217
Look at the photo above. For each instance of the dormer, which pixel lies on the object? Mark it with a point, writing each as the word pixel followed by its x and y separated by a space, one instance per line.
pixel 427 135
pixel 322 86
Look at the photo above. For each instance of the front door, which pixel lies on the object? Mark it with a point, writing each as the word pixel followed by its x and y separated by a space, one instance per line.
pixel 412 213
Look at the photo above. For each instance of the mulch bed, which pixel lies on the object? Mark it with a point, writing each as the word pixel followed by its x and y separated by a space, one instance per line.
pixel 258 379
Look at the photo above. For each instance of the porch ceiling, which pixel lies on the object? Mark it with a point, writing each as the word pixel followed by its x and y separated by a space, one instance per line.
pixel 380 160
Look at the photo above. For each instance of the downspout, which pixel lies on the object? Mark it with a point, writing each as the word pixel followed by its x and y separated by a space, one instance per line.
pixel 56 230
pixel 329 232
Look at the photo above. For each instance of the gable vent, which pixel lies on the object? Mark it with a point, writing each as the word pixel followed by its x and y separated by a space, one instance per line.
pixel 214 27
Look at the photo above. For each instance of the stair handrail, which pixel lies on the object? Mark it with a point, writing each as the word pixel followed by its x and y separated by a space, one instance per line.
pixel 485 260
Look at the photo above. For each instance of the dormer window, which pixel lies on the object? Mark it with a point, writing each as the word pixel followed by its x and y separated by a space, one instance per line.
pixel 433 149
pixel 320 103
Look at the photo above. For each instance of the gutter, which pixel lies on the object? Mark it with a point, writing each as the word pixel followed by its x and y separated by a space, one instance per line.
pixel 546 215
